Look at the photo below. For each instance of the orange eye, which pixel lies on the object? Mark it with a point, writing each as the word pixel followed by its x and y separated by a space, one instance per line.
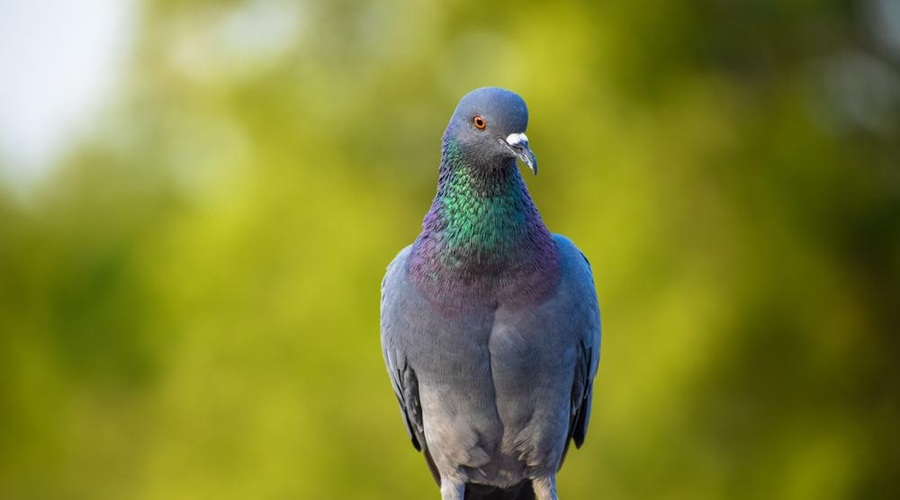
pixel 479 122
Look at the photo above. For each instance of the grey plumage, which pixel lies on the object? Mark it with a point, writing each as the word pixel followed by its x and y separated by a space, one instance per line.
pixel 490 326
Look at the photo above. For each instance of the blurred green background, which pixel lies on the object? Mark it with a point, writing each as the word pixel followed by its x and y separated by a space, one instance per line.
pixel 190 270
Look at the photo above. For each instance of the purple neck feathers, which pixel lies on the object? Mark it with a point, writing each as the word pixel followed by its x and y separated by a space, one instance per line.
pixel 483 241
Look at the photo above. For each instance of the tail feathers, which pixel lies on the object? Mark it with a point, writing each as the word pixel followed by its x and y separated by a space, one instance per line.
pixel 521 491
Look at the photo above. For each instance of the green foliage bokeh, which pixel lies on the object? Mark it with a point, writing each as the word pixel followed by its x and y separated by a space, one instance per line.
pixel 189 303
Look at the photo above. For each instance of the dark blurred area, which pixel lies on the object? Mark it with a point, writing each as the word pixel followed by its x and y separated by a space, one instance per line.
pixel 189 284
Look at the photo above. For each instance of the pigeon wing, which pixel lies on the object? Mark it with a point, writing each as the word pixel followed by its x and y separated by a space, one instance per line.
pixel 588 357
pixel 403 377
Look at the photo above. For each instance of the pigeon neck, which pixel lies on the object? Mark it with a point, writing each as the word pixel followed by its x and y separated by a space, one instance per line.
pixel 482 223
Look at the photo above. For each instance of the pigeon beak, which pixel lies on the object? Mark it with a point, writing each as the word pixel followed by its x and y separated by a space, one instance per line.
pixel 518 144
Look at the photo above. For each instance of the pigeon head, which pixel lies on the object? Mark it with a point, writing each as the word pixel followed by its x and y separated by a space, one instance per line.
pixel 488 127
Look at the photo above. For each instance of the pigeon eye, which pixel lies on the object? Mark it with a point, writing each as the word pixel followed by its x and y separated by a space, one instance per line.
pixel 479 122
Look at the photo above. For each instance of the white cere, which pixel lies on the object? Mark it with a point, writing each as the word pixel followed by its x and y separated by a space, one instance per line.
pixel 513 139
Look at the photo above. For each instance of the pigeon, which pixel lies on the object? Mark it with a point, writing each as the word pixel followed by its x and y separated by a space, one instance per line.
pixel 490 326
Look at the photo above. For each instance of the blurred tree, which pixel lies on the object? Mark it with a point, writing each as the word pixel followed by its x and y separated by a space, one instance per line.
pixel 189 304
